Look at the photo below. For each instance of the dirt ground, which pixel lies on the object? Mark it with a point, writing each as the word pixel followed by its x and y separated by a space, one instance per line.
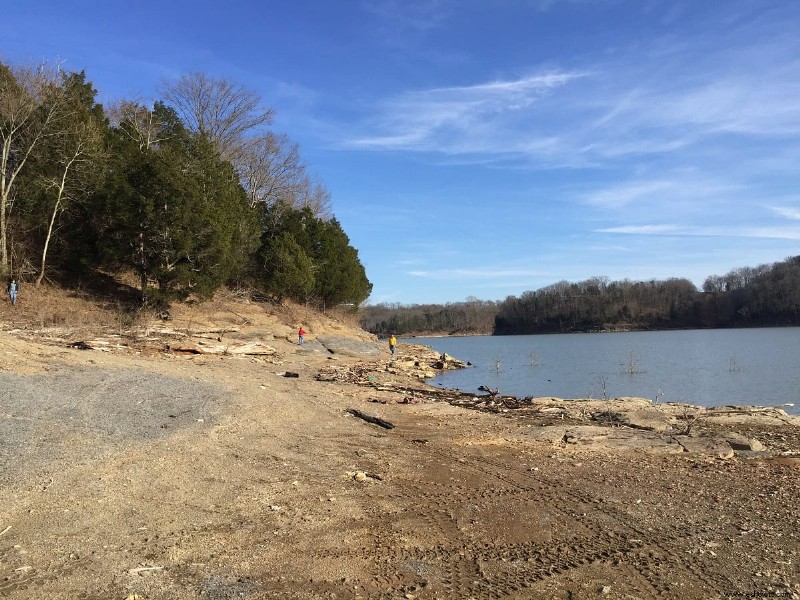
pixel 144 474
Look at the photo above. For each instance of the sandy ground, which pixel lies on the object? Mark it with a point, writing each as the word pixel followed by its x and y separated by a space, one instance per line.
pixel 152 475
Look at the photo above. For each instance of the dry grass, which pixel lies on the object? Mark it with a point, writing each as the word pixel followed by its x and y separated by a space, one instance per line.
pixel 346 315
pixel 74 313
pixel 47 306
pixel 79 314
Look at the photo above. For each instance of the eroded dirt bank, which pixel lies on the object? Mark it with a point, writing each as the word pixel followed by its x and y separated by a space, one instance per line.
pixel 157 474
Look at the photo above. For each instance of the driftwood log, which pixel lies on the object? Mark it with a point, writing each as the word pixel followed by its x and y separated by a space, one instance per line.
pixel 81 345
pixel 371 419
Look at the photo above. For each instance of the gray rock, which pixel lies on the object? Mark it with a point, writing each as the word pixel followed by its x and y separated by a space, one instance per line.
pixel 594 436
pixel 349 346
pixel 704 445
pixel 590 437
pixel 649 419
pixel 311 346
pixel 740 442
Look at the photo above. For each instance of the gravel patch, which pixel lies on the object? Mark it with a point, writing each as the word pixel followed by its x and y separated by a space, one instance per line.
pixel 110 407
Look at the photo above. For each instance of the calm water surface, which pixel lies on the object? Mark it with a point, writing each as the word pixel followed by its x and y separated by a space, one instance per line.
pixel 704 367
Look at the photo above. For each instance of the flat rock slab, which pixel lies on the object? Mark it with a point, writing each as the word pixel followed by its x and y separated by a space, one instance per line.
pixel 310 346
pixel 649 419
pixel 348 346
pixel 705 445
pixel 740 442
pixel 596 435
pixel 250 348
pixel 623 438
pixel 750 415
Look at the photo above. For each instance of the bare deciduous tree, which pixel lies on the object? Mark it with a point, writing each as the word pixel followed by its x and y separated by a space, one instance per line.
pixel 270 168
pixel 26 119
pixel 232 118
pixel 223 111
pixel 138 122
pixel 77 152
pixel 314 195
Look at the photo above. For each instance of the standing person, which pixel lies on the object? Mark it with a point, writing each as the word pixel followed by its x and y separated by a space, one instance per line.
pixel 392 344
pixel 300 335
pixel 12 291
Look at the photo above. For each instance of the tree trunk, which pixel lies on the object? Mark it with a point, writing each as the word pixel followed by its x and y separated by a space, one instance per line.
pixel 59 197
pixel 6 178
pixel 47 243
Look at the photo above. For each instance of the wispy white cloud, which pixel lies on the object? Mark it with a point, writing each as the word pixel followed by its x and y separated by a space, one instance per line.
pixel 674 193
pixel 774 233
pixel 644 229
pixel 473 118
pixel 622 195
pixel 792 213
pixel 476 274
pixel 756 103
pixel 624 105
pixel 567 115
pixel 416 14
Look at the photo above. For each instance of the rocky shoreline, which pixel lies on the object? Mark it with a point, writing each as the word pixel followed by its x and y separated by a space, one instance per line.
pixel 213 463
pixel 620 423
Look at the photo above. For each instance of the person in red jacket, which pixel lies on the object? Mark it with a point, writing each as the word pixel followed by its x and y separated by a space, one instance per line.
pixel 300 335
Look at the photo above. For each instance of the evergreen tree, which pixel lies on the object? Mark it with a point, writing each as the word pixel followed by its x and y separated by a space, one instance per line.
pixel 340 276
pixel 175 212
pixel 288 269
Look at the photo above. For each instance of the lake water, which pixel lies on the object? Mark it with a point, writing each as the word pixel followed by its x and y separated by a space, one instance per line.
pixel 716 367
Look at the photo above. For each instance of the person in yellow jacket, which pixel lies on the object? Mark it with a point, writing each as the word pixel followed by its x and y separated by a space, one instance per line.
pixel 392 343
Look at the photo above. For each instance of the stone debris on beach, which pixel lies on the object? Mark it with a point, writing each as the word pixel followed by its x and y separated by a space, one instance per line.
pixel 621 423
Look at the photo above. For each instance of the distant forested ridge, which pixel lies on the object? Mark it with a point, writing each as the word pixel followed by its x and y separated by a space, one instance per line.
pixel 470 317
pixel 766 295
pixel 188 194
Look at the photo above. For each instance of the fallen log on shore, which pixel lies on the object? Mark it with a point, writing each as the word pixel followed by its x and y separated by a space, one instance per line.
pixel 371 419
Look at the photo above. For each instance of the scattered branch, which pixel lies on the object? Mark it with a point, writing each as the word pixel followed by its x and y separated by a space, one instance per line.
pixel 371 419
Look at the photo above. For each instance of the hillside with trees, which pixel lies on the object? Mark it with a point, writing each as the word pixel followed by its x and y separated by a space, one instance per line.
pixel 767 295
pixel 470 317
pixel 188 195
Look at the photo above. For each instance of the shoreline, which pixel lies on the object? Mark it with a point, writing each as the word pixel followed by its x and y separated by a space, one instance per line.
pixel 707 368
pixel 612 422
pixel 156 475
pixel 603 330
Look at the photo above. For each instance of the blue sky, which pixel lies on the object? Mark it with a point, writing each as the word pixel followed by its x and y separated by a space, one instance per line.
pixel 486 148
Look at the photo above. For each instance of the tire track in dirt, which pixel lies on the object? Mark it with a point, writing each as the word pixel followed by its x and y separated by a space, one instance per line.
pixel 654 562
pixel 475 567
pixel 583 538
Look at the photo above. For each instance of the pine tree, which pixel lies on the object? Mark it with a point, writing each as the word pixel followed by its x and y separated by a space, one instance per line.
pixel 175 212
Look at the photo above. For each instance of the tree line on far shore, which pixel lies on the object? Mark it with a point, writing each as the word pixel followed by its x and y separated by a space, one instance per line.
pixel 766 295
pixel 188 194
